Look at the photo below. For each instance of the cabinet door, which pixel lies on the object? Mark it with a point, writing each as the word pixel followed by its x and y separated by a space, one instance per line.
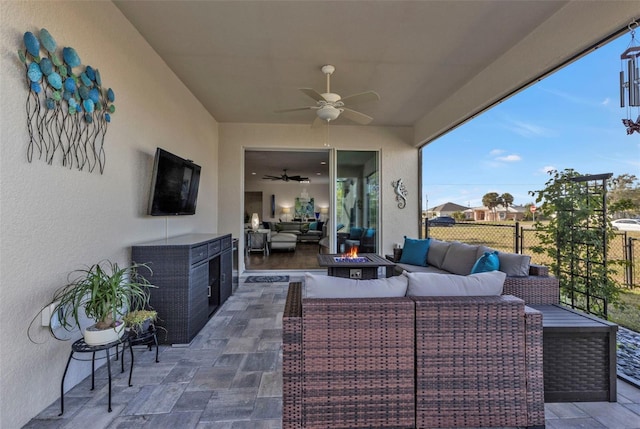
pixel 198 298
pixel 226 280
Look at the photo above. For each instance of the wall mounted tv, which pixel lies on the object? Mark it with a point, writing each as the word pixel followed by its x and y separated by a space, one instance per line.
pixel 174 185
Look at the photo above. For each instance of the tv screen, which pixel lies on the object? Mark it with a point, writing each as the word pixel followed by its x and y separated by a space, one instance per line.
pixel 174 185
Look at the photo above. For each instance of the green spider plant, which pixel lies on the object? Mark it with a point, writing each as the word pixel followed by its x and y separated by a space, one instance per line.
pixel 105 294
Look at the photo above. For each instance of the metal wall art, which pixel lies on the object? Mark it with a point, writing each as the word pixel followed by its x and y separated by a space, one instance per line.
pixel 68 110
pixel 630 84
pixel 401 193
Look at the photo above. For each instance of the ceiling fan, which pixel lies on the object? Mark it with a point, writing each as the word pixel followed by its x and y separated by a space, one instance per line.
pixel 329 106
pixel 285 177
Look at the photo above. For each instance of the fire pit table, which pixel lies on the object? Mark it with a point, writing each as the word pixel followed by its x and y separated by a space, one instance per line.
pixel 363 266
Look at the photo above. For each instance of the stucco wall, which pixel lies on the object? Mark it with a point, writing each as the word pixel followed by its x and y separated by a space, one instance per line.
pixel 398 160
pixel 55 220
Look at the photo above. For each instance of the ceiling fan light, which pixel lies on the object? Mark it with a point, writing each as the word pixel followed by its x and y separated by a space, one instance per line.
pixel 328 113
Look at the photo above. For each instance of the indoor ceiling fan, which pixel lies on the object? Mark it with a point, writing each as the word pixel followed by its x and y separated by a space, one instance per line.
pixel 330 105
pixel 285 177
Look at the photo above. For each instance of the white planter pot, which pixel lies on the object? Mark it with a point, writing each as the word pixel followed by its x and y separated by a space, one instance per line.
pixel 98 337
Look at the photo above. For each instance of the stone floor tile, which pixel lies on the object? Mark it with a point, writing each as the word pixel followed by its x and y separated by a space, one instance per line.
pixel 581 423
pixel 180 419
pixel 193 401
pixel 270 385
pixel 246 379
pixel 267 408
pixel 241 345
pixel 265 361
pixel 566 410
pixel 211 378
pixel 232 360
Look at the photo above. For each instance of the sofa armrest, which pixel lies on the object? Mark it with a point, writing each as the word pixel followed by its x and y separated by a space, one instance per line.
pixel 534 364
pixel 538 270
pixel 534 289
pixel 292 358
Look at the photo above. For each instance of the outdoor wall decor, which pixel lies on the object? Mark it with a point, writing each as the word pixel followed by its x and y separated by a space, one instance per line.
pixel 630 85
pixel 401 193
pixel 68 110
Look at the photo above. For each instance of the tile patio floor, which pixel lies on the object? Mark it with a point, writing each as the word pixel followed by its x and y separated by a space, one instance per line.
pixel 230 377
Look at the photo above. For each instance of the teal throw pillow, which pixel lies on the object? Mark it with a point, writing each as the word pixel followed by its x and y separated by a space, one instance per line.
pixel 487 262
pixel 313 226
pixel 355 233
pixel 414 251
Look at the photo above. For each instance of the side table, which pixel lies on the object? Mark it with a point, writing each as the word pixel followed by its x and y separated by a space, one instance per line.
pixel 579 356
pixel 81 347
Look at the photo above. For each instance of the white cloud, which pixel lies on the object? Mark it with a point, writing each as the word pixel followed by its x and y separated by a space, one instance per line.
pixel 510 158
pixel 606 101
pixel 527 129
pixel 496 152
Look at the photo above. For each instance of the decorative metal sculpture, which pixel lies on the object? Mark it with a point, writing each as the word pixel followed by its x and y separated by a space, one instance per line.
pixel 401 193
pixel 67 110
pixel 630 85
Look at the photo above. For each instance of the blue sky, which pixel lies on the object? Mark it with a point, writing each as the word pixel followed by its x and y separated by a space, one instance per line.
pixel 572 119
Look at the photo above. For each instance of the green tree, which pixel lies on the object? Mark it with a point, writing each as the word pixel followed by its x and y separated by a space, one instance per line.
pixel 458 216
pixel 507 201
pixel 575 239
pixel 491 200
pixel 624 197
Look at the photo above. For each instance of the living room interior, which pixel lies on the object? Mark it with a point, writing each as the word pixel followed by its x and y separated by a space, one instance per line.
pixel 203 80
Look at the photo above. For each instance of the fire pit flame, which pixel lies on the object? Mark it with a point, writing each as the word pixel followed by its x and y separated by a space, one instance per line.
pixel 352 253
pixel 351 256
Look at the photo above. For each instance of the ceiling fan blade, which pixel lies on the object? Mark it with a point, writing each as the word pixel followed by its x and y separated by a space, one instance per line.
pixel 358 117
pixel 318 122
pixel 298 178
pixel 363 97
pixel 313 94
pixel 294 109
pixel 272 177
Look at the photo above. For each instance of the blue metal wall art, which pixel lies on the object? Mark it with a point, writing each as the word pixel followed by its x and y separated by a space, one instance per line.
pixel 68 110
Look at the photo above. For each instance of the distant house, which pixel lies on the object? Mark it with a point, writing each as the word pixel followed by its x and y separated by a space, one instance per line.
pixel 483 213
pixel 446 209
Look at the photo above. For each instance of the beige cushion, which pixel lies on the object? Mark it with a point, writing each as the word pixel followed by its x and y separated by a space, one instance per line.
pixel 436 253
pixel 513 264
pixel 323 286
pixel 460 258
pixel 433 284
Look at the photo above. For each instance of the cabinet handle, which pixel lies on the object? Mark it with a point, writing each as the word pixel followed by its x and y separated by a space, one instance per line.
pixel 209 291
pixel 223 277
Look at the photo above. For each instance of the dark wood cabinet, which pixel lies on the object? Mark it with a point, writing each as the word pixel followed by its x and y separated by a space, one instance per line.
pixel 193 275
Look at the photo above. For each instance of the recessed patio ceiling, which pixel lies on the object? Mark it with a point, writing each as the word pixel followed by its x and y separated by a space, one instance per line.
pixel 434 63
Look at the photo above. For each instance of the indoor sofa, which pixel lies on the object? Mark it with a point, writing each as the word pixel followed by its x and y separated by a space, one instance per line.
pixel 530 282
pixel 304 231
pixel 382 359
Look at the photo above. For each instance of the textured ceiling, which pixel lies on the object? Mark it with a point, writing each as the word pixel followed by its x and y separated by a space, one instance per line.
pixel 434 63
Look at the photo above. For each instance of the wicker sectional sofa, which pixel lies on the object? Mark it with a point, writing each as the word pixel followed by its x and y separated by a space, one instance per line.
pixel 411 362
pixel 530 282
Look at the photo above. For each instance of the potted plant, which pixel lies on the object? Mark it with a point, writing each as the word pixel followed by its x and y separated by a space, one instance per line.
pixel 105 294
pixel 139 321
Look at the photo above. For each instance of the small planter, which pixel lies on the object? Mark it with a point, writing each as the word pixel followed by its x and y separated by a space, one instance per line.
pixel 139 321
pixel 97 337
pixel 142 328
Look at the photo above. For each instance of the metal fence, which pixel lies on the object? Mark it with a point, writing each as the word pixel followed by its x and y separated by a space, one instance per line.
pixel 514 237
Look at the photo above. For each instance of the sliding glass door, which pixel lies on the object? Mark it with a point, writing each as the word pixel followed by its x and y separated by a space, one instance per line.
pixel 357 201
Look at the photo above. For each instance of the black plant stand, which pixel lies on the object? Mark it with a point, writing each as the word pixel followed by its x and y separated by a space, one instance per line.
pixel 148 338
pixel 81 347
